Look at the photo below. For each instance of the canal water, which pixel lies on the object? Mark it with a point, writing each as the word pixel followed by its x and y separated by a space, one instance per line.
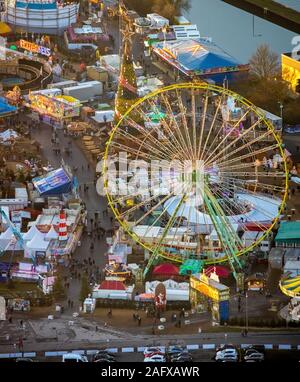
pixel 232 29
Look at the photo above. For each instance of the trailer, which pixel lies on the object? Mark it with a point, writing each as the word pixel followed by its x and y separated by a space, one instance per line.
pixel 85 91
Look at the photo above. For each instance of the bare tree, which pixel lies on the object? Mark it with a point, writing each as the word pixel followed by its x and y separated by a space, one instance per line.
pixel 264 64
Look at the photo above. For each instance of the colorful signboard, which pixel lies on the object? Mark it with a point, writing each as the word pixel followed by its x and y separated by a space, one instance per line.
pixel 34 48
pixel 205 287
pixel 58 107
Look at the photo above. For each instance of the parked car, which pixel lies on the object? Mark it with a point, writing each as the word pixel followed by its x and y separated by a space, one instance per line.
pixel 24 360
pixel 226 354
pixel 253 355
pixel 102 355
pixel 176 350
pixel 185 357
pixel 155 358
pixel 73 357
pixel 103 360
pixel 153 350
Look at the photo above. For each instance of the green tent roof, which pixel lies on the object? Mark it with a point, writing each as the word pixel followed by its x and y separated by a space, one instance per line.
pixel 191 266
pixel 288 232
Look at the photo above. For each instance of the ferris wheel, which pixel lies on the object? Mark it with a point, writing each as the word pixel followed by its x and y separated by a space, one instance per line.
pixel 190 170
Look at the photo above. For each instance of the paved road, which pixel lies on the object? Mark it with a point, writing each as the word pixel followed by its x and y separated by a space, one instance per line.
pixel 93 201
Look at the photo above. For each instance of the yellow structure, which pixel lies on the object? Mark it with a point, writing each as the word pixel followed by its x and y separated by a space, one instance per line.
pixel 290 70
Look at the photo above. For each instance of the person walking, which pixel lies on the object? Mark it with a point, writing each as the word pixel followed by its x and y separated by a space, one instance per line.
pixel 139 321
pixel 20 344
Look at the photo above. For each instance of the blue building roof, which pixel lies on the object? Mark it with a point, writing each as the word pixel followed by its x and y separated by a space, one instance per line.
pixel 6 108
pixel 56 182
pixel 33 5
pixel 196 55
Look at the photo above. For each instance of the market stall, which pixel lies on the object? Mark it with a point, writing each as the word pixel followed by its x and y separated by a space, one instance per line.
pixel 54 109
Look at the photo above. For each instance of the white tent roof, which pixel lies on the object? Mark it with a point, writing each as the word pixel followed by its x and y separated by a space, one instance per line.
pixel 101 115
pixel 51 234
pixel 38 242
pixel 8 134
pixel 7 235
pixel 31 233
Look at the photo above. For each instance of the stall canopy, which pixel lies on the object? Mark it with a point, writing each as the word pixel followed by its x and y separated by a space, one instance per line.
pixel 31 233
pixel 288 233
pixel 8 134
pixel 219 270
pixel 38 242
pixel 51 234
pixel 112 285
pixel 53 183
pixel 191 267
pixel 166 269
pixel 6 108
pixel 4 29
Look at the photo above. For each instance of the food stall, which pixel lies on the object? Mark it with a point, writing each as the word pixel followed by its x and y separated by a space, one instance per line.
pixel 54 109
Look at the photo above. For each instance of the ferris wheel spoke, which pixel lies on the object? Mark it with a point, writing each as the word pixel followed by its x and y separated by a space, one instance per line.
pixel 244 146
pixel 184 123
pixel 193 103
pixel 211 128
pixel 258 183
pixel 164 211
pixel 146 201
pixel 131 150
pixel 235 141
pixel 251 174
pixel 160 153
pixel 175 123
pixel 202 127
pixel 261 209
pixel 213 151
pixel 178 145
pixel 253 154
pixel 173 145
pixel 148 135
pixel 243 223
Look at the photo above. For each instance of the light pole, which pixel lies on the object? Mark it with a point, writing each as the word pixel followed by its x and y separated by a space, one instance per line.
pixel 281 113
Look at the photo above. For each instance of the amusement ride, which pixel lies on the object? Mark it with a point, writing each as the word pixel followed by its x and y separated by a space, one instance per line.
pixel 225 188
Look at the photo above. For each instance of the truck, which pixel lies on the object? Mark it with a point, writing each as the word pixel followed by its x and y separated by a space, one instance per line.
pixel 85 91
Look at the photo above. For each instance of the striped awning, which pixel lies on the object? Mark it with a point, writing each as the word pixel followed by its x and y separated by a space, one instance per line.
pixel 290 287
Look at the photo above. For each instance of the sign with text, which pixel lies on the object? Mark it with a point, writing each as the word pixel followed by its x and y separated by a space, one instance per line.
pixel 34 48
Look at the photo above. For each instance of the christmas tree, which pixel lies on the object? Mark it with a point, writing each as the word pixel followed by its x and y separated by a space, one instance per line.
pixel 127 88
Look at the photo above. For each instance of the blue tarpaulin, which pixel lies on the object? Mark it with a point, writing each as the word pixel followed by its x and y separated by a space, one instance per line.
pixel 6 108
pixel 56 182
